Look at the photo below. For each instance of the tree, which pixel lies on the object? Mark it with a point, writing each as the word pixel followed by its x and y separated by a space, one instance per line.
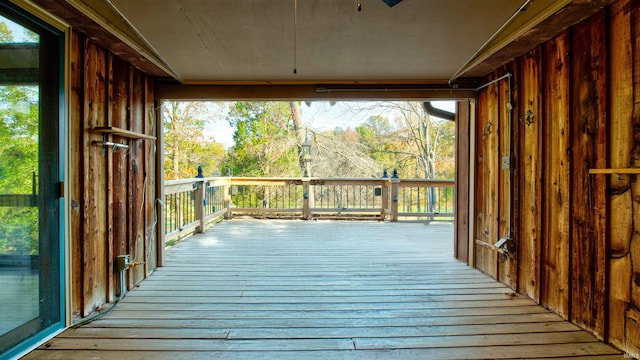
pixel 378 135
pixel 418 143
pixel 19 139
pixel 300 131
pixel 185 146
pixel 341 154
pixel 265 140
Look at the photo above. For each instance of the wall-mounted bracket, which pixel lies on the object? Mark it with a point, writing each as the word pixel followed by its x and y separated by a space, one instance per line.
pixel 504 247
pixel 110 144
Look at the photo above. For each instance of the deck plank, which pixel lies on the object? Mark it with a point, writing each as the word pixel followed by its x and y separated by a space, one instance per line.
pixel 253 289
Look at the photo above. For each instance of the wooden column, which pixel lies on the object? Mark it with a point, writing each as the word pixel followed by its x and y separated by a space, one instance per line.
pixel 461 228
pixel 394 182
pixel 384 207
pixel 227 199
pixel 199 205
pixel 306 191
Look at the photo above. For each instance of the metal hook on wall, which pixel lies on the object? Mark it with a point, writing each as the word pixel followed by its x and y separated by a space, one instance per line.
pixel 114 146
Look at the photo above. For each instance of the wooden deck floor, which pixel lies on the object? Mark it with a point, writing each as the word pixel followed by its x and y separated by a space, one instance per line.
pixel 252 289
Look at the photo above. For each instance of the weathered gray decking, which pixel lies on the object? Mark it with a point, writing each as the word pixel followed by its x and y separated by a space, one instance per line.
pixel 283 290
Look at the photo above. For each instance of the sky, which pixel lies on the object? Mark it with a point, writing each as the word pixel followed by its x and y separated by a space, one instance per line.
pixel 318 115
pixel 18 32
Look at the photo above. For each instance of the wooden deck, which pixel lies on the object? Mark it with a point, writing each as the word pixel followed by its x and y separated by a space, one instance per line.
pixel 251 289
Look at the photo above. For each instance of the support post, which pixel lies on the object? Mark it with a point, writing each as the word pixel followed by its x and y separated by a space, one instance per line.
pixel 199 204
pixel 227 199
pixel 306 194
pixel 384 207
pixel 395 182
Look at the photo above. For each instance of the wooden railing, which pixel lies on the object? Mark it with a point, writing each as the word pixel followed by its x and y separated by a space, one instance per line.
pixel 191 204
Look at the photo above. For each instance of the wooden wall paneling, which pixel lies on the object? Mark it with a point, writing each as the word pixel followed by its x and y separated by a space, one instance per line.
pixel 108 154
pixel 621 143
pixel 159 174
pixel 461 248
pixel 76 172
pixel 632 321
pixel 119 117
pixel 150 165
pixel 94 224
pixel 507 271
pixel 487 200
pixel 556 246
pixel 514 67
pixel 139 177
pixel 480 228
pixel 493 163
pixel 588 99
pixel 529 164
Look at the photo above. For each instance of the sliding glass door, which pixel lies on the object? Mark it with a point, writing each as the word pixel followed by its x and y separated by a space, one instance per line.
pixel 30 220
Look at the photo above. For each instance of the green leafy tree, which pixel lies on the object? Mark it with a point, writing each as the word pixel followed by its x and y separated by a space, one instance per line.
pixel 265 140
pixel 378 135
pixel 418 144
pixel 18 167
pixel 185 145
pixel 18 160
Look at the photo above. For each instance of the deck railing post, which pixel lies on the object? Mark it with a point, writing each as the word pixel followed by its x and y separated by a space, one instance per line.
pixel 395 184
pixel 384 207
pixel 227 199
pixel 199 204
pixel 306 194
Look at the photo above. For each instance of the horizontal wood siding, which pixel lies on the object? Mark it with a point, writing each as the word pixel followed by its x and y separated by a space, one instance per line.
pixel 110 214
pixel 578 248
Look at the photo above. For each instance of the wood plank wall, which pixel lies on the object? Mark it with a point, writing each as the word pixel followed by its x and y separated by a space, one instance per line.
pixel 463 147
pixel 112 193
pixel 576 106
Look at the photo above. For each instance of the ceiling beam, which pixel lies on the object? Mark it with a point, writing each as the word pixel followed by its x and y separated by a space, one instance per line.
pixel 309 92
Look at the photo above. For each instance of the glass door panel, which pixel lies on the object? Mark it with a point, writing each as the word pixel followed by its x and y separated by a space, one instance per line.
pixel 30 271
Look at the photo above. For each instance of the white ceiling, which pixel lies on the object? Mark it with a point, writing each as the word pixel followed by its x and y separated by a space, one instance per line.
pixel 211 41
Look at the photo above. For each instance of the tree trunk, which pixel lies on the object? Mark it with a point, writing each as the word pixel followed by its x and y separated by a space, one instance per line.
pixel 299 129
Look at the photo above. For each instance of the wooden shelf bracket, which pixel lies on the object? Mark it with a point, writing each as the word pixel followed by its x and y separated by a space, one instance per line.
pixel 122 132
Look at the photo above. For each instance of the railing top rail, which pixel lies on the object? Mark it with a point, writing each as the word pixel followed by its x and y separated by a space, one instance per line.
pixel 213 181
pixel 429 182
pixel 265 180
pixel 182 181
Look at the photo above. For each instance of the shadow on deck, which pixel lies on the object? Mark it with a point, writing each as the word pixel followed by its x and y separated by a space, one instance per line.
pixel 250 289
